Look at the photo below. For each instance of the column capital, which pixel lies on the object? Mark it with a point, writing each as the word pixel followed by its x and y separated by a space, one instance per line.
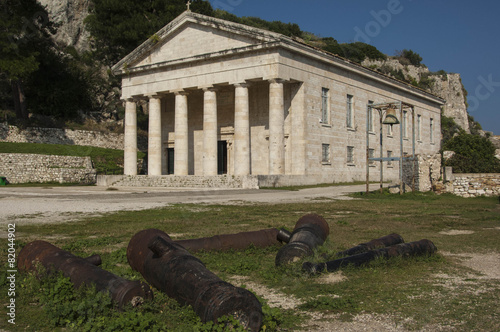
pixel 242 85
pixel 209 89
pixel 153 96
pixel 277 80
pixel 180 92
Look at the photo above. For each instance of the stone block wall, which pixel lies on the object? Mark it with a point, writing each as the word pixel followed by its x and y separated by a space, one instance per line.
pixel 472 185
pixel 172 181
pixel 426 169
pixel 34 168
pixel 65 136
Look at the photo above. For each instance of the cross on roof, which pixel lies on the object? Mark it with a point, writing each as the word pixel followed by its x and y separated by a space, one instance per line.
pixel 188 4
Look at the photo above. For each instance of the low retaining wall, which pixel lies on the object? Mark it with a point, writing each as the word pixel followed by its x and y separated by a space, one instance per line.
pixel 173 181
pixel 64 136
pixel 36 168
pixel 219 181
pixel 472 184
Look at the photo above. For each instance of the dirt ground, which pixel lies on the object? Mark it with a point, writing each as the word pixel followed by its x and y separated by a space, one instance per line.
pixel 63 204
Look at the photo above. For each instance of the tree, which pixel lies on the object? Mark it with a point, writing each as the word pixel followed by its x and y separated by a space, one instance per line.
pixel 119 26
pixel 24 24
pixel 473 154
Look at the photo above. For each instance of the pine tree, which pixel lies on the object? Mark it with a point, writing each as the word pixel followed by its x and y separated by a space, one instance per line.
pixel 24 25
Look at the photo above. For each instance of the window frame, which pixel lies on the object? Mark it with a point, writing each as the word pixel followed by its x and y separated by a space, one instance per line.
pixel 350 155
pixel 350 111
pixel 325 105
pixel 325 153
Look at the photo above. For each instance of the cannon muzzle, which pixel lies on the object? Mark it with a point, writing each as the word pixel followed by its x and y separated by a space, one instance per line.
pixel 310 231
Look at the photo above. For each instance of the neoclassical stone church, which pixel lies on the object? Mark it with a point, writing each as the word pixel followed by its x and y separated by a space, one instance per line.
pixel 233 100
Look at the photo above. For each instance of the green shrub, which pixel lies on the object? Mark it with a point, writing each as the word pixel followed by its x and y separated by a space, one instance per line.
pixel 409 57
pixel 473 154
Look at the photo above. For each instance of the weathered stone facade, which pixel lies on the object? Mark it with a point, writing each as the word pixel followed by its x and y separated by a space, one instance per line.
pixel 252 102
pixel 472 185
pixel 35 168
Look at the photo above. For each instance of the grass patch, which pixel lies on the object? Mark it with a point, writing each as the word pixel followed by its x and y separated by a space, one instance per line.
pixel 423 293
pixel 105 161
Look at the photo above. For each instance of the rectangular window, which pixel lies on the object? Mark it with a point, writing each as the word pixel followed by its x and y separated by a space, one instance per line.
pixel 370 117
pixel 324 106
pixel 389 130
pixel 325 153
pixel 389 155
pixel 431 134
pixel 371 154
pixel 419 127
pixel 405 124
pixel 350 154
pixel 349 112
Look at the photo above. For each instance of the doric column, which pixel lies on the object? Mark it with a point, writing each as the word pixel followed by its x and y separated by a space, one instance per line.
pixel 154 136
pixel 209 132
pixel 181 134
pixel 276 128
pixel 241 130
pixel 130 139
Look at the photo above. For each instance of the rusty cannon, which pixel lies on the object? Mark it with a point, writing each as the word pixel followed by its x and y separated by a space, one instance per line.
pixel 385 241
pixel 310 231
pixel 82 271
pixel 262 238
pixel 169 267
pixel 417 248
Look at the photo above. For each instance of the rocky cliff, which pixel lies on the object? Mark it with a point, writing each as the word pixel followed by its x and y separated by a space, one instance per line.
pixel 69 15
pixel 445 85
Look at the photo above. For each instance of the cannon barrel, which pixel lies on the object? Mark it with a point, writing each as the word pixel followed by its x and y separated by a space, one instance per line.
pixel 263 238
pixel 169 267
pixel 310 231
pixel 82 271
pixel 385 241
pixel 417 248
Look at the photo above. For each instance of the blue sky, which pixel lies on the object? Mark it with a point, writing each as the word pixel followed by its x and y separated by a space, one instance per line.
pixel 459 36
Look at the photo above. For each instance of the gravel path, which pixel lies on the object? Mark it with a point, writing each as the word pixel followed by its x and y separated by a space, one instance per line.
pixel 59 204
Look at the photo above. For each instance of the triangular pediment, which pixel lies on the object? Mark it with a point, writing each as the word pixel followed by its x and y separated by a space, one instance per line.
pixel 190 36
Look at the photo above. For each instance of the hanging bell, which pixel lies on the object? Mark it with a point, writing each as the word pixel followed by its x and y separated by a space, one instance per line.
pixel 390 117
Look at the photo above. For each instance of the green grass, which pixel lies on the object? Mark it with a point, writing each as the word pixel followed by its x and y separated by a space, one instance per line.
pixel 423 293
pixel 105 160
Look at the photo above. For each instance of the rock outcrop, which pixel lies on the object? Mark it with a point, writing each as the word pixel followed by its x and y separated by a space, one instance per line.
pixel 69 15
pixel 445 85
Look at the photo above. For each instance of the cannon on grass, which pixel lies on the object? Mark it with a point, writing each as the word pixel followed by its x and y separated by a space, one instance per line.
pixel 384 241
pixel 169 267
pixel 262 238
pixel 82 271
pixel 310 231
pixel 417 248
